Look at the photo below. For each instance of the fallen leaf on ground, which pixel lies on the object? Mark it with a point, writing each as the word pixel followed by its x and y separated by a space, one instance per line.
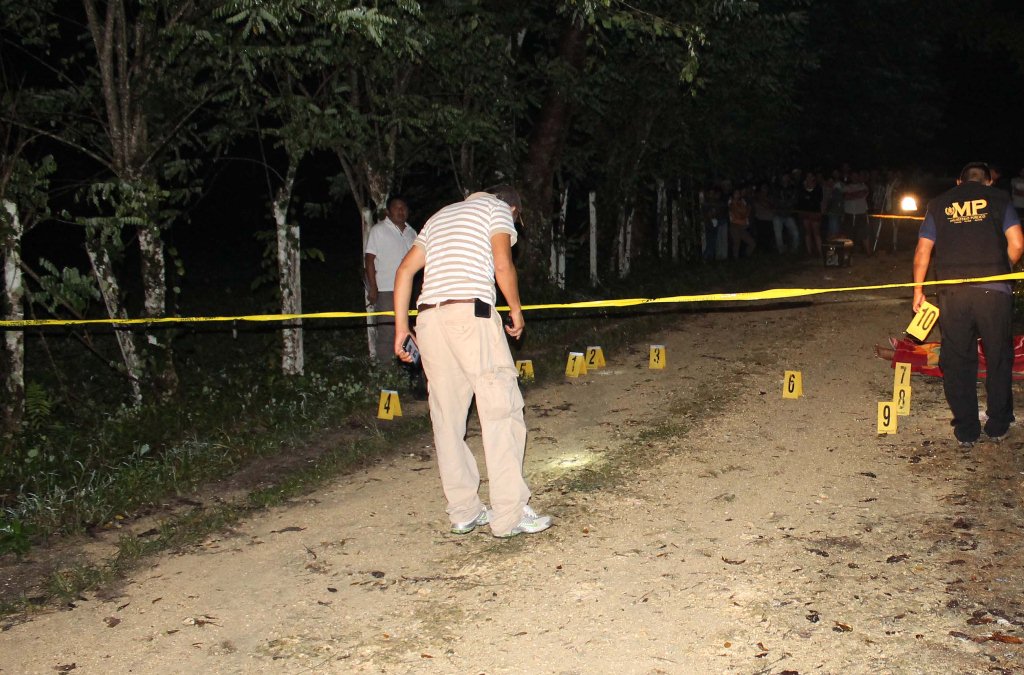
pixel 842 627
pixel 733 562
pixel 111 621
pixel 817 551
pixel 66 668
pixel 897 558
pixel 290 528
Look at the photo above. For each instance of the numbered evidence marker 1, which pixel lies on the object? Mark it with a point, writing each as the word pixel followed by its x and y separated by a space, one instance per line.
pixel 575 366
pixel 657 361
pixel 595 358
pixel 901 397
pixel 886 417
pixel 389 406
pixel 525 369
pixel 923 321
pixel 902 376
pixel 792 384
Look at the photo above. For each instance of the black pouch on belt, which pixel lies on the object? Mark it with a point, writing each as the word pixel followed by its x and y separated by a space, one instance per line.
pixel 481 309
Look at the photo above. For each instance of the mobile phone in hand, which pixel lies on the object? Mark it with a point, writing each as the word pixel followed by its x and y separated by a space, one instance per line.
pixel 411 349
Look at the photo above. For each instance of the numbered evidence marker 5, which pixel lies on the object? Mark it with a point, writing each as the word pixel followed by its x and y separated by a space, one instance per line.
pixel 924 321
pixel 389 406
pixel 902 376
pixel 576 365
pixel 901 397
pixel 887 417
pixel 792 384
pixel 657 361
pixel 525 369
pixel 595 358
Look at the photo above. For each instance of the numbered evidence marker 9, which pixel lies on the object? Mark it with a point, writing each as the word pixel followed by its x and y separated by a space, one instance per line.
pixel 595 358
pixel 657 361
pixel 901 397
pixel 792 384
pixel 525 369
pixel 886 417
pixel 923 321
pixel 389 406
pixel 576 365
pixel 902 376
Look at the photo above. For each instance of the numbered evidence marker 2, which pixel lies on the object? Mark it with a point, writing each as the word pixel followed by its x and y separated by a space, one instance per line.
pixel 886 417
pixel 923 321
pixel 525 369
pixel 657 361
pixel 902 376
pixel 595 358
pixel 389 406
pixel 792 384
pixel 901 397
pixel 576 365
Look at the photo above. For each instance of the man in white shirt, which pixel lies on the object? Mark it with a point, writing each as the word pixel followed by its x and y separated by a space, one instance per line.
pixel 387 244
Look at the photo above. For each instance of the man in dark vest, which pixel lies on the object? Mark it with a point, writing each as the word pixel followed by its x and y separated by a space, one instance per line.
pixel 968 232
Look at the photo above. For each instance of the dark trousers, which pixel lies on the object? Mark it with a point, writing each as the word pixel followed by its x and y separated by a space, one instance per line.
pixel 965 314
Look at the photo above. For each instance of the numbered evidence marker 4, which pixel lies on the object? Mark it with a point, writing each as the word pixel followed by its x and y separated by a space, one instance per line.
pixel 902 376
pixel 901 397
pixel 576 365
pixel 792 384
pixel 595 358
pixel 525 369
pixel 657 361
pixel 887 417
pixel 923 321
pixel 389 406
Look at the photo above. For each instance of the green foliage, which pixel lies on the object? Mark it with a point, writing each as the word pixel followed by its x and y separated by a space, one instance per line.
pixel 14 537
pixel 64 288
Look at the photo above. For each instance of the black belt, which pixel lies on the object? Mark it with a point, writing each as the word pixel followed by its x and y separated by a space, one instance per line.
pixel 424 307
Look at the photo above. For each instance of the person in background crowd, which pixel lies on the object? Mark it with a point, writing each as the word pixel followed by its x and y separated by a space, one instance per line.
pixel 809 202
pixel 709 213
pixel 855 211
pixel 785 205
pixel 833 195
pixel 764 215
pixel 387 244
pixel 739 224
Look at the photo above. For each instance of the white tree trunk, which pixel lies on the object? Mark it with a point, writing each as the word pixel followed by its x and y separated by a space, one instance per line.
pixel 14 340
pixel 592 201
pixel 662 218
pixel 371 325
pixel 110 291
pixel 557 269
pixel 289 276
pixel 154 271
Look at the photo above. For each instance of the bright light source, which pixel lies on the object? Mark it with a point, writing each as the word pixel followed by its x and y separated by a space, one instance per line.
pixel 908 203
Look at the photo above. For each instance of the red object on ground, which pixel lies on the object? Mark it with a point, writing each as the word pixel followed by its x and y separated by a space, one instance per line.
pixel 924 357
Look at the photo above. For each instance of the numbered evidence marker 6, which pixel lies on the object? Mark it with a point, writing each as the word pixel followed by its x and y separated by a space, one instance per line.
pixel 595 358
pixel 924 320
pixel 389 406
pixel 902 376
pixel 792 384
pixel 525 369
pixel 576 365
pixel 901 397
pixel 886 417
pixel 657 361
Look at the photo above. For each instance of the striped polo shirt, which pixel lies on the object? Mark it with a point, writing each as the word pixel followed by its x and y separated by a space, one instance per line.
pixel 457 244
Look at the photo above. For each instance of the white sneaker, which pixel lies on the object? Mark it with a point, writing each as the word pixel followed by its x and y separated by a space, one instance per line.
pixel 466 528
pixel 530 524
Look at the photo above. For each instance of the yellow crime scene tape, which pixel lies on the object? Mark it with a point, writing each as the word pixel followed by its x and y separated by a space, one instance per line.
pixel 747 296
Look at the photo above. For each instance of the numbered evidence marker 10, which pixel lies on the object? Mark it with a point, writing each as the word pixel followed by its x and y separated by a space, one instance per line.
pixel 924 320
pixel 902 376
pixel 792 384
pixel 525 369
pixel 595 358
pixel 576 365
pixel 657 361
pixel 389 406
pixel 886 417
pixel 901 397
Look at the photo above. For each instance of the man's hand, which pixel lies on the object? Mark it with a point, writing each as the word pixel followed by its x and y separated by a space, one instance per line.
pixel 400 352
pixel 918 299
pixel 518 323
pixel 371 296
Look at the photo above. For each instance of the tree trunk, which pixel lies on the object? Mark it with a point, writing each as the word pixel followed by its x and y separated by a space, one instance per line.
pixel 557 270
pixel 13 367
pixel 289 274
pixel 371 324
pixel 675 229
pixel 110 291
pixel 154 289
pixel 662 216
pixel 594 278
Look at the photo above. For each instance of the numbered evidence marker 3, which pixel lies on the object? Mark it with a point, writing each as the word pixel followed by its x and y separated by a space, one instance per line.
pixel 901 397
pixel 389 406
pixel 902 376
pixel 792 384
pixel 657 361
pixel 576 365
pixel 595 358
pixel 886 417
pixel 924 321
pixel 525 369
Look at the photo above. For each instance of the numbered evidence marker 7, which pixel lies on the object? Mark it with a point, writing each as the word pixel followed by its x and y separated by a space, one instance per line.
pixel 901 397
pixel 886 417
pixel 389 406
pixel 924 320
pixel 657 361
pixel 525 369
pixel 576 365
pixel 902 376
pixel 595 358
pixel 792 384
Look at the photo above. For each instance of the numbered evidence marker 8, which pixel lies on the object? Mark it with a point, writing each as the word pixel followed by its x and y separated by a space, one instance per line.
pixel 902 376
pixel 886 417
pixel 657 361
pixel 792 384
pixel 525 369
pixel 595 358
pixel 576 365
pixel 389 406
pixel 924 320
pixel 901 397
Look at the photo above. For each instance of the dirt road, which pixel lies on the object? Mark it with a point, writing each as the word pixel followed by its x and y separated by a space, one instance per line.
pixel 704 525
